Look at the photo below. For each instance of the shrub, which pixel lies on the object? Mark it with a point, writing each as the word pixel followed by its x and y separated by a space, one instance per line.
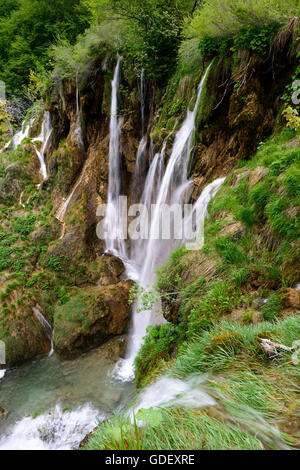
pixel 157 346
pixel 220 19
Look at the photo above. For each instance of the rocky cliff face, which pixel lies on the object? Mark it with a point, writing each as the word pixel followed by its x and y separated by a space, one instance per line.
pixel 53 258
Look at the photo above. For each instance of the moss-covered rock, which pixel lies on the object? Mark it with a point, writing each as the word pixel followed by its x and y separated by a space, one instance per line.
pixel 89 318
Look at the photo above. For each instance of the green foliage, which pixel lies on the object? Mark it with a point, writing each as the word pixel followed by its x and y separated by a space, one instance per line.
pixel 220 19
pixel 275 212
pixel 272 307
pixel 68 59
pixel 229 251
pixel 245 215
pixel 240 276
pixel 169 428
pixel 189 56
pixel 28 29
pixel 291 181
pixel 151 33
pixel 156 347
pixel 218 301
pixel 255 39
pixel 24 225
pixel 227 342
pixel 72 311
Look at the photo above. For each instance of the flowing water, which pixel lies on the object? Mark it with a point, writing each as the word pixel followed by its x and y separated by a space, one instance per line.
pixel 47 327
pixel 21 199
pixel 17 139
pixel 45 134
pixel 61 213
pixel 64 207
pixel 113 222
pixel 173 186
pixel 52 403
pixel 78 128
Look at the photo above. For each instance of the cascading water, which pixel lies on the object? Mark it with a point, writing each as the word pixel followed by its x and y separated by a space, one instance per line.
pixel 162 185
pixel 17 139
pixel 113 222
pixel 172 187
pixel 78 129
pixel 78 132
pixel 141 153
pixel 22 134
pixel 21 200
pixel 64 207
pixel 46 131
pixel 47 327
pixel 55 430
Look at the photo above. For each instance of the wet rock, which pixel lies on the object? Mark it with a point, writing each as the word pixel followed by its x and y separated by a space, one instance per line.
pixel 114 349
pixel 91 317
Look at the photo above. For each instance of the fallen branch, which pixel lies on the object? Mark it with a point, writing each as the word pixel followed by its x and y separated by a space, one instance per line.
pixel 270 348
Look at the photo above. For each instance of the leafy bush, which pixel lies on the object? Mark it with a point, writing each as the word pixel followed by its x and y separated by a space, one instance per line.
pixel 156 347
pixel 220 19
pixel 27 31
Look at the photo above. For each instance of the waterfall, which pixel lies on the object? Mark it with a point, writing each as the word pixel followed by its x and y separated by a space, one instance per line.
pixel 113 221
pixel 21 200
pixel 140 164
pixel 45 134
pixel 22 134
pixel 78 129
pixel 171 187
pixel 171 391
pixel 47 327
pixel 78 132
pixel 64 207
pixel 19 136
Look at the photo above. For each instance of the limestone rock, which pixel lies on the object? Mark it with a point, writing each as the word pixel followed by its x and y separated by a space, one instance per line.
pixel 91 317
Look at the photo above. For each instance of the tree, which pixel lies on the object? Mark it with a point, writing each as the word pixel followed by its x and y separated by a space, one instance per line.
pixel 28 30
pixel 153 32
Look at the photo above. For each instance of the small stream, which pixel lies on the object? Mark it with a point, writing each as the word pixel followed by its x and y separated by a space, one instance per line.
pixel 53 403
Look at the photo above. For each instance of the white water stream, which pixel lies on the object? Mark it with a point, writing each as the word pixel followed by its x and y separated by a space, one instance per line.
pixel 112 221
pixel 45 134
pixel 64 207
pixel 47 327
pixel 164 184
pixel 169 186
pixel 17 139
pixel 55 430
pixel 61 213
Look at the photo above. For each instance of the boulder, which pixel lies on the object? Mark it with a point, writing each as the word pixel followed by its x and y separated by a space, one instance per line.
pixel 91 317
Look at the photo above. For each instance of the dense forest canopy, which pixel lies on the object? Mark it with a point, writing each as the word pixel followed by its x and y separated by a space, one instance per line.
pixel 37 36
